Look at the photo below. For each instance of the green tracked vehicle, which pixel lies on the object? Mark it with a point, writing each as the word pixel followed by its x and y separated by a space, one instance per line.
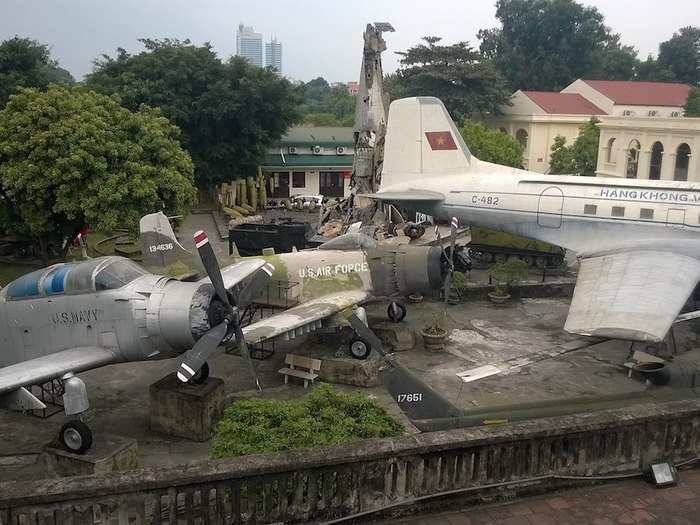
pixel 487 246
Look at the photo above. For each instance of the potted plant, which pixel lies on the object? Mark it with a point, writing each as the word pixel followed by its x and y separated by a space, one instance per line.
pixel 458 288
pixel 504 275
pixel 435 333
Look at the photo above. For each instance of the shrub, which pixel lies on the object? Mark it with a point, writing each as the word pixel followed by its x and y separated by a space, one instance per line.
pixel 508 272
pixel 324 417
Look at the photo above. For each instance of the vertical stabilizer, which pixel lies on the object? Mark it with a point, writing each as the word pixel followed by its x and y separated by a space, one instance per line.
pixel 422 140
pixel 161 250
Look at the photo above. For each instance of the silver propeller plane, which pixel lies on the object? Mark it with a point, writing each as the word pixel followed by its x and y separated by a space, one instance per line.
pixel 638 241
pixel 71 317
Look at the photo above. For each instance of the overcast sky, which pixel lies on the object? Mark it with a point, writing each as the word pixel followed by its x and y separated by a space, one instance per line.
pixel 320 37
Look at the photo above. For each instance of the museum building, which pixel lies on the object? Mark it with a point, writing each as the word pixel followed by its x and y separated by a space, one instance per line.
pixel 643 131
pixel 311 160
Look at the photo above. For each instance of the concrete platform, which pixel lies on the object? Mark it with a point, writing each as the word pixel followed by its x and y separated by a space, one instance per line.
pixel 110 453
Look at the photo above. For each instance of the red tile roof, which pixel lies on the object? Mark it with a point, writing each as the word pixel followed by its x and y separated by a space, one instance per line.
pixel 635 93
pixel 564 103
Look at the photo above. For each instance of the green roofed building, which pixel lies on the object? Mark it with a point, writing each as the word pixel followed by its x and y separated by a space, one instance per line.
pixel 311 161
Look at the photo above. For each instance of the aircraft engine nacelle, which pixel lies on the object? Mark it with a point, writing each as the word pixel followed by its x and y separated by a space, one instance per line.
pixel 182 313
pixel 408 269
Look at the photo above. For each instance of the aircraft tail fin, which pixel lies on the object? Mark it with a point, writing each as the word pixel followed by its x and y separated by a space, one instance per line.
pixel 422 140
pixel 160 248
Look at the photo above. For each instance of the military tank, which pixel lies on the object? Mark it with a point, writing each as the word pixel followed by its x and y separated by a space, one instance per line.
pixel 488 246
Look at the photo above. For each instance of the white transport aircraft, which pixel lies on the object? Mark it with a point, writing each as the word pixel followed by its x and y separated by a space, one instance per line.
pixel 638 241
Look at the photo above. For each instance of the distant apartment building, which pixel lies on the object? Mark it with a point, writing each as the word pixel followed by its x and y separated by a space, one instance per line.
pixel 249 45
pixel 273 55
pixel 642 132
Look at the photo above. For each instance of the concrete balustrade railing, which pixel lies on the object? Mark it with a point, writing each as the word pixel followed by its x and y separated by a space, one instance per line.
pixel 321 484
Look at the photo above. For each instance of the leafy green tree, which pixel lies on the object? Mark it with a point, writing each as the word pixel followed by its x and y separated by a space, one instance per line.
pixel 547 44
pixel 581 157
pixel 490 145
pixel 229 113
pixel 27 63
pixel 70 157
pixel 457 74
pixel 321 119
pixel 681 55
pixel 692 105
pixel 561 160
pixel 651 71
pixel 319 97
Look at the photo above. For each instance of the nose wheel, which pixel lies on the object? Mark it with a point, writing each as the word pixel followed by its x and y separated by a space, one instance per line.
pixel 75 436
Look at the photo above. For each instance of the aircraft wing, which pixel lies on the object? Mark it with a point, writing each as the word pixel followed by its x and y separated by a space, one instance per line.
pixel 407 195
pixel 634 295
pixel 240 271
pixel 48 367
pixel 304 317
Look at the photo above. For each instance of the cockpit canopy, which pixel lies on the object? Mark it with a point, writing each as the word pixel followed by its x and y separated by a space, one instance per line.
pixel 349 241
pixel 103 273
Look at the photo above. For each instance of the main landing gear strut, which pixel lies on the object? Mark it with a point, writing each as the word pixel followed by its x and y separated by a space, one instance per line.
pixel 363 341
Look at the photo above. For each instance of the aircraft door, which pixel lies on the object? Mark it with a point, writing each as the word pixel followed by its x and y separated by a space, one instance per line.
pixel 675 218
pixel 549 208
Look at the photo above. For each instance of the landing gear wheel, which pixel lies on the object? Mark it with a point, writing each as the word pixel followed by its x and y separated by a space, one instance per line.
pixel 396 312
pixel 201 376
pixel 75 436
pixel 360 348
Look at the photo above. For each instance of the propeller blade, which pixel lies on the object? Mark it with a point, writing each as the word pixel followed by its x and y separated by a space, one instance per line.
pixel 202 350
pixel 211 265
pixel 242 297
pixel 243 346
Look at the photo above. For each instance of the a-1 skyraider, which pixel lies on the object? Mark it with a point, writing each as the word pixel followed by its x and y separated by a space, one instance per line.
pixel 638 241
pixel 71 317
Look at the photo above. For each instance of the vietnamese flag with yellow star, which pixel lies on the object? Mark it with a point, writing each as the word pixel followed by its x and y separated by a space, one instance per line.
pixel 440 140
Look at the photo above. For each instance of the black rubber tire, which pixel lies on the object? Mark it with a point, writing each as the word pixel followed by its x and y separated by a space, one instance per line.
pixel 76 437
pixel 359 348
pixel 201 376
pixel 401 314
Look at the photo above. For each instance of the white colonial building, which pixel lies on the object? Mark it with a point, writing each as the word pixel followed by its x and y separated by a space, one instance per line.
pixel 642 132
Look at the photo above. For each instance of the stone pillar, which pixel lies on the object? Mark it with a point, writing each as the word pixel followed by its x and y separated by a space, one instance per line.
pixel 185 410
pixel 643 164
pixel 669 166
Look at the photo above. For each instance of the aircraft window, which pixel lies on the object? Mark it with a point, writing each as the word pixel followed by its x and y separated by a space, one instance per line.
pixel 646 213
pixel 25 286
pixel 349 241
pixel 117 274
pixel 618 211
pixel 79 279
pixel 54 281
pixel 590 209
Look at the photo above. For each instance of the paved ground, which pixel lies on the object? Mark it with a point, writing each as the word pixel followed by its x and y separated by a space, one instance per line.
pixel 623 502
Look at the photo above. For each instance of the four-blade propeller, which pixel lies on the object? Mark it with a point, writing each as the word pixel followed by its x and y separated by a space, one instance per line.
pixel 207 345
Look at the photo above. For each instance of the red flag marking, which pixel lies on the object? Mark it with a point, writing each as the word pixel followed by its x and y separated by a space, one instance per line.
pixel 440 140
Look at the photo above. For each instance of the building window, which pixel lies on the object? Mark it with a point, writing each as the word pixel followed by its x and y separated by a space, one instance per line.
pixel 657 153
pixel 330 183
pixel 521 137
pixel 299 179
pixel 281 185
pixel 590 209
pixel 609 154
pixel 646 213
pixel 632 159
pixel 618 211
pixel 680 172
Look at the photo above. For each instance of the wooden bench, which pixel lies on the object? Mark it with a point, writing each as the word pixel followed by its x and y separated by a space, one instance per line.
pixel 301 367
